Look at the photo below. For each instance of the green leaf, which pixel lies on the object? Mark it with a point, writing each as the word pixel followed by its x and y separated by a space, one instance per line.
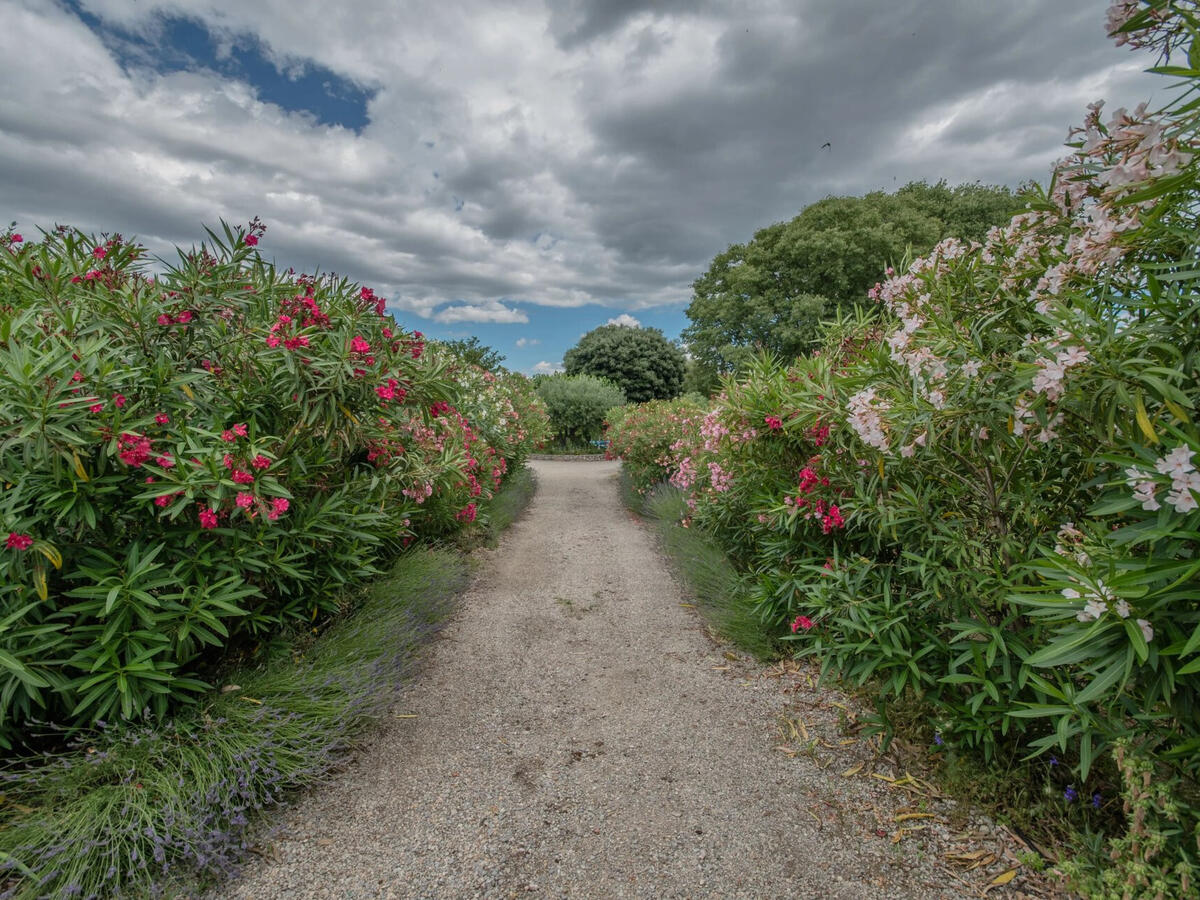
pixel 1136 638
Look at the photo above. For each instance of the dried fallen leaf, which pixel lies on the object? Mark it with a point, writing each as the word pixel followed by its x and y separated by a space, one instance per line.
pixel 853 770
pixel 1002 878
pixel 967 857
pixel 904 817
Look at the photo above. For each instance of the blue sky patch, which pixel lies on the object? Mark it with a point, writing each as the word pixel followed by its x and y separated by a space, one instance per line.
pixel 550 332
pixel 178 44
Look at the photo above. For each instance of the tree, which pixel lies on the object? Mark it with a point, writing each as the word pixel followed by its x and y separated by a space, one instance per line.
pixel 773 292
pixel 640 360
pixel 473 351
pixel 577 404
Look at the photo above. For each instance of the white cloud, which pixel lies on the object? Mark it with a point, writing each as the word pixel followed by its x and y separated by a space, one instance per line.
pixel 490 311
pixel 547 368
pixel 527 342
pixel 626 320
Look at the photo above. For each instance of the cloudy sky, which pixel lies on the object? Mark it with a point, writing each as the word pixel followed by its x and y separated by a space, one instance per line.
pixel 526 170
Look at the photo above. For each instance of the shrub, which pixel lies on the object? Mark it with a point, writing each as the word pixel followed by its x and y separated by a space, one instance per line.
pixel 576 405
pixel 642 435
pixel 200 457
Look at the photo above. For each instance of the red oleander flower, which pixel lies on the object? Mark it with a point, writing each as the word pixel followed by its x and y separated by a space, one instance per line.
pixel 801 623
pixel 18 541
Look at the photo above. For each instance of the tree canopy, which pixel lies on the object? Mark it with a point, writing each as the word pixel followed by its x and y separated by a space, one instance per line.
pixel 640 360
pixel 772 292
pixel 475 352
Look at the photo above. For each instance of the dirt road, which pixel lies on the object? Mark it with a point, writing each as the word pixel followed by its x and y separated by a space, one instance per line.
pixel 575 733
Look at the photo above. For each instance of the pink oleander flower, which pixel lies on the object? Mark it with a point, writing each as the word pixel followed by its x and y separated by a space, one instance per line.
pixel 184 317
pixel 18 541
pixel 801 623
pixel 227 436
pixel 244 499
pixel 96 407
pixel 208 518
pixel 16 239
pixel 251 240
pixel 119 401
pixel 773 422
pixel 162 419
pixel 163 500
pixel 99 252
pixel 260 462
pixel 242 477
pixel 135 449
pixel 278 507
pixel 358 345
pixel 240 429
pixel 164 320
pixel 273 342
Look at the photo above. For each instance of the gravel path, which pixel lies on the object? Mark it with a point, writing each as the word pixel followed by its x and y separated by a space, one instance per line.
pixel 576 733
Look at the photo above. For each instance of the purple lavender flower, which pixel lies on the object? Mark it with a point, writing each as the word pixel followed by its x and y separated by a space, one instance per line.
pixel 1071 794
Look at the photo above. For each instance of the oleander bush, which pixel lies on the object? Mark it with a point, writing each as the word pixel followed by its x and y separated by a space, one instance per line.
pixel 981 494
pixel 192 460
pixel 642 435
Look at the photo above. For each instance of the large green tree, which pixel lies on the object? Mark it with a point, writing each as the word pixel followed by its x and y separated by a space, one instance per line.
pixel 773 292
pixel 640 360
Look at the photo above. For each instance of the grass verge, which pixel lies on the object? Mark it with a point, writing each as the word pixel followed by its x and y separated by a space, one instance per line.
pixel 137 810
pixel 718 589
pixel 508 504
